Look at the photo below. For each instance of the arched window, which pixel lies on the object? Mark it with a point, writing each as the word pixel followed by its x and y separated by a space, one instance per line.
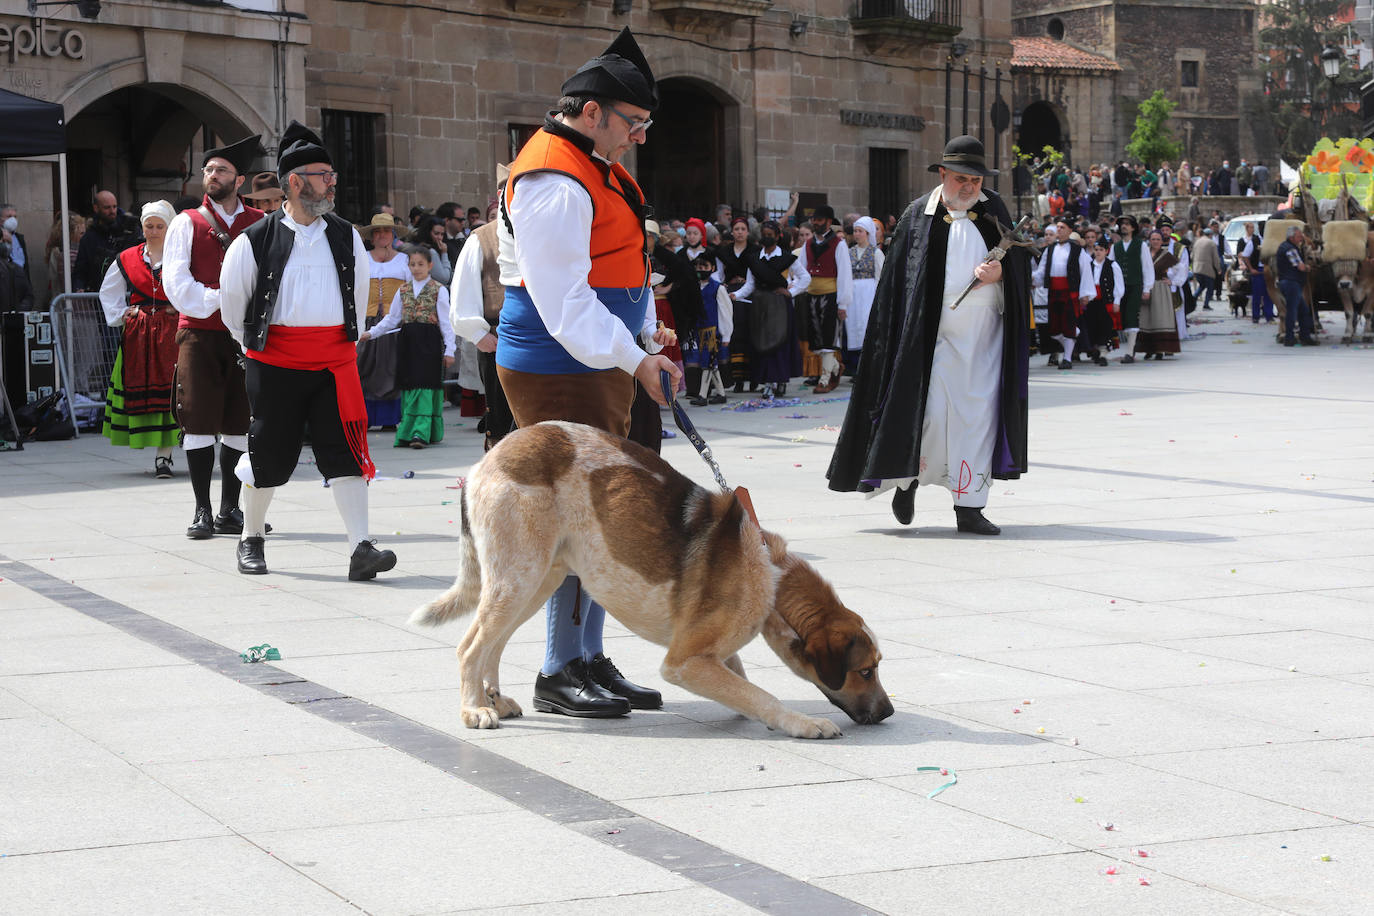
pixel 1055 28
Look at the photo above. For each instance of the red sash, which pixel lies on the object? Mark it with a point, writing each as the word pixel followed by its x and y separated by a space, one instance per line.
pixel 326 348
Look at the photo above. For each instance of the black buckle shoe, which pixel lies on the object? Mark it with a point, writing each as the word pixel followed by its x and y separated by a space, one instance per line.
pixel 904 504
pixel 202 526
pixel 573 692
pixel 162 468
pixel 367 561
pixel 608 676
pixel 231 522
pixel 252 560
pixel 971 521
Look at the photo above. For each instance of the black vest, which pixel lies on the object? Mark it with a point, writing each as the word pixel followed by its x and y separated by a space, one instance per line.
pixel 1074 270
pixel 771 273
pixel 1106 282
pixel 272 244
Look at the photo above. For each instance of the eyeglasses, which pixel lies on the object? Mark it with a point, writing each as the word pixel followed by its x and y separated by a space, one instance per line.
pixel 216 170
pixel 636 125
pixel 329 175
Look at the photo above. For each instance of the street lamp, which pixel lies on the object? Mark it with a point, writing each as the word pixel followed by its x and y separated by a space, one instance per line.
pixel 1331 62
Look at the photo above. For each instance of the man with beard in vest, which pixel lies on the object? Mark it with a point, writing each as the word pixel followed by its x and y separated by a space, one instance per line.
pixel 209 398
pixel 293 298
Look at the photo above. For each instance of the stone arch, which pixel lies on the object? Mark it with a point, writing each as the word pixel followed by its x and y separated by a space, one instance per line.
pixel 1042 124
pixel 226 112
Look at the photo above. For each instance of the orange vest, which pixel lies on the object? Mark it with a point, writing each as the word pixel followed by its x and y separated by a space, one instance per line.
pixel 617 242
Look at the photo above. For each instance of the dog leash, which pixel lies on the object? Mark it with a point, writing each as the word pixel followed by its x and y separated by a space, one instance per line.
pixel 689 430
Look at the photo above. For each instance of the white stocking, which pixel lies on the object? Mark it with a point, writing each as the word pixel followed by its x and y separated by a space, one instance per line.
pixel 1067 343
pixel 350 495
pixel 255 502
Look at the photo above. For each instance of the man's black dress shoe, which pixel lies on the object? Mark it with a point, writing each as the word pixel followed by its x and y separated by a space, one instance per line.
pixel 231 522
pixel 202 526
pixel 367 561
pixel 608 676
pixel 252 561
pixel 573 692
pixel 971 521
pixel 904 504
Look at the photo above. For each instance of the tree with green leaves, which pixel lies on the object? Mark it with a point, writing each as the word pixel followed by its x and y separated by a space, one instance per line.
pixel 1151 141
pixel 1299 103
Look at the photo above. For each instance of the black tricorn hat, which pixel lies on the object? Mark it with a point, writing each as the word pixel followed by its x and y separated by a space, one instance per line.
pixel 300 146
pixel 240 154
pixel 620 73
pixel 964 154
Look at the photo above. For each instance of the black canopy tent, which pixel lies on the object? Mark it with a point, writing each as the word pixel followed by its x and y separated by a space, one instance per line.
pixel 35 129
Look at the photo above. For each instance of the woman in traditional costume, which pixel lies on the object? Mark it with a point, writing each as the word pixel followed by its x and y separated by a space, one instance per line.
pixel 138 403
pixel 866 265
pixel 1158 326
pixel 388 271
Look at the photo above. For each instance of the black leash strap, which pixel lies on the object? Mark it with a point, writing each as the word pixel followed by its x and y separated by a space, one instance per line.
pixel 684 423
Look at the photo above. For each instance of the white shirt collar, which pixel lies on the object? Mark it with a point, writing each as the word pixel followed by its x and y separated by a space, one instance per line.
pixel 310 232
pixel 226 215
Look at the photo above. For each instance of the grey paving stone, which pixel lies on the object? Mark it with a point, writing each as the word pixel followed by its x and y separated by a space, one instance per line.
pixel 1134 666
pixel 481 861
pixel 1315 706
pixel 1145 806
pixel 222 875
pixel 1065 883
pixel 653 903
pixel 1306 650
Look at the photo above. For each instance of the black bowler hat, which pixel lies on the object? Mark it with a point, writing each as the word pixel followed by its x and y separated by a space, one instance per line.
pixel 965 155
pixel 824 211
pixel 240 154
pixel 1127 218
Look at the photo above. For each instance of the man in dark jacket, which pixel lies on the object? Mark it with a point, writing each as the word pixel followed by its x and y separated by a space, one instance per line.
pixel 942 396
pixel 111 232
pixel 16 295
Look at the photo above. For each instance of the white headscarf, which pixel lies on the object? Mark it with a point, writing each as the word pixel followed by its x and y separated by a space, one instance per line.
pixel 159 208
pixel 867 224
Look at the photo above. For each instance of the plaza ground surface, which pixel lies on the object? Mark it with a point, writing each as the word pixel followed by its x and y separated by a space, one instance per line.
pixel 1162 672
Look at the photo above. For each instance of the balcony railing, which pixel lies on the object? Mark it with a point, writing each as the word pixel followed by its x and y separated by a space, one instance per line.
pixel 932 12
pixel 897 26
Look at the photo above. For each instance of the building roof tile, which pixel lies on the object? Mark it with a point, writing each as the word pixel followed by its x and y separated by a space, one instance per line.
pixel 1045 53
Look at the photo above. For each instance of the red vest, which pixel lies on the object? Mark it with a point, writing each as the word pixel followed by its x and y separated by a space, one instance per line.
pixel 144 288
pixel 824 266
pixel 617 242
pixel 207 256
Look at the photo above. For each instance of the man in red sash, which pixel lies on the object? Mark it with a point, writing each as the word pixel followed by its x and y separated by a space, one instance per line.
pixel 291 296
pixel 209 399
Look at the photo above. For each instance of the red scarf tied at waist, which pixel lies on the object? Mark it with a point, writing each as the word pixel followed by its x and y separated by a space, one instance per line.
pixel 317 349
pixel 1060 293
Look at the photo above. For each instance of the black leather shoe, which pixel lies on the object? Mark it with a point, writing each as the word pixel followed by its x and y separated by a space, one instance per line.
pixel 252 561
pixel 367 561
pixel 1065 364
pixel 573 692
pixel 608 676
pixel 231 522
pixel 697 401
pixel 202 526
pixel 1053 360
pixel 1127 359
pixel 1309 341
pixel 971 521
pixel 162 468
pixel 904 504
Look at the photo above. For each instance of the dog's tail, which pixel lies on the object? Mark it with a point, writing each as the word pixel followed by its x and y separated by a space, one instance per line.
pixel 461 600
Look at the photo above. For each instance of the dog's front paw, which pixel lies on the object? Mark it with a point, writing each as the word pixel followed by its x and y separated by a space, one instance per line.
pixel 481 717
pixel 505 707
pixel 800 726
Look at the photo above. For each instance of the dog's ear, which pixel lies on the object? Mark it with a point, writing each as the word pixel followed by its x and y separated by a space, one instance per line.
pixel 829 652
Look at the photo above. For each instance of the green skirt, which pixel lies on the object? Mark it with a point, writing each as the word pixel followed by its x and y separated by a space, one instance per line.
pixel 422 416
pixel 140 430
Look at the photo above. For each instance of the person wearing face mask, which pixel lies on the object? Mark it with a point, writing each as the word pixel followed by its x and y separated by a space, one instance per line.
pixel 18 248
pixel 942 398
pixel 775 277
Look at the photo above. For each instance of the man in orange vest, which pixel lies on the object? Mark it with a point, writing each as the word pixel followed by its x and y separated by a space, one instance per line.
pixel 577 305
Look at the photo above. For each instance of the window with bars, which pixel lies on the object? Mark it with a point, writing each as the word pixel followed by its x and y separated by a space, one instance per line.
pixel 357 141
pixel 887 191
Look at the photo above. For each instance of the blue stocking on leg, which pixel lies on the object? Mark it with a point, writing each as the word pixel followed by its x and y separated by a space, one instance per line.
pixel 593 621
pixel 564 641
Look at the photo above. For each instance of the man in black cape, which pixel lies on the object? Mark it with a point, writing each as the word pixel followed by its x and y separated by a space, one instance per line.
pixel 896 402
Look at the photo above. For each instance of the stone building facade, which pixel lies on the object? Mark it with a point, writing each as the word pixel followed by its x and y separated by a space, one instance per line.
pixel 1066 98
pixel 1202 54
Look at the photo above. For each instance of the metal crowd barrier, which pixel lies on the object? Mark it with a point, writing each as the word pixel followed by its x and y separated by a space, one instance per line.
pixel 86 350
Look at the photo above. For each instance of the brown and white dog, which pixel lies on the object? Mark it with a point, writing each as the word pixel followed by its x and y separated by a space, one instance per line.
pixel 680 566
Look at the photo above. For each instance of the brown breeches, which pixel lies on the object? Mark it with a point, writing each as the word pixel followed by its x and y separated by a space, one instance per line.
pixel 600 399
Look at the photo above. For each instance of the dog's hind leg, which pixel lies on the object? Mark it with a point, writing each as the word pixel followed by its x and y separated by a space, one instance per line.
pixel 505 605
pixel 737 666
pixel 708 676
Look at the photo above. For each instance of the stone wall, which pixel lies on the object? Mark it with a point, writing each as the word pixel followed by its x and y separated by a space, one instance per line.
pixel 1086 104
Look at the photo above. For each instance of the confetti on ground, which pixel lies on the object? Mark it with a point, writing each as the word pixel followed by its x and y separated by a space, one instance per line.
pixel 1074 742
pixel 797 416
pixel 1078 799
pixel 796 465
pixel 1202 664
pixel 831 429
pixel 1323 858
pixel 408 475
pixel 953 779
pixel 1144 882
pixel 1016 711
pixel 1040 730
pixel 1107 825
pixel 1110 870
pixel 798 438
pixel 612 832
pixel 1142 853
pixel 1292 667
pixel 1125 413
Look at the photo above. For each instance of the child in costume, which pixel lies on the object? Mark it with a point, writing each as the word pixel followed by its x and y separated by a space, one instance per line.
pixel 420 310
pixel 713 337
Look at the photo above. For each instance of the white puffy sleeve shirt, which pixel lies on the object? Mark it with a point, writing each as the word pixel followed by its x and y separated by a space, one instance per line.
pixel 552 218
pixel 186 294
pixel 468 316
pixel 309 293
pixel 396 313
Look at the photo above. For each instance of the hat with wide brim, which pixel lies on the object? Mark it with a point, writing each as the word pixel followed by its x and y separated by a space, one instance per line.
pixel 966 156
pixel 379 221
pixel 265 187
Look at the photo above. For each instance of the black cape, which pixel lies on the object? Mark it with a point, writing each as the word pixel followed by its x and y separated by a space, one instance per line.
pixel 881 436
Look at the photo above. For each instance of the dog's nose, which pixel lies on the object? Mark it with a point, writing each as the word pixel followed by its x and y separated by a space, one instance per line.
pixel 883 711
